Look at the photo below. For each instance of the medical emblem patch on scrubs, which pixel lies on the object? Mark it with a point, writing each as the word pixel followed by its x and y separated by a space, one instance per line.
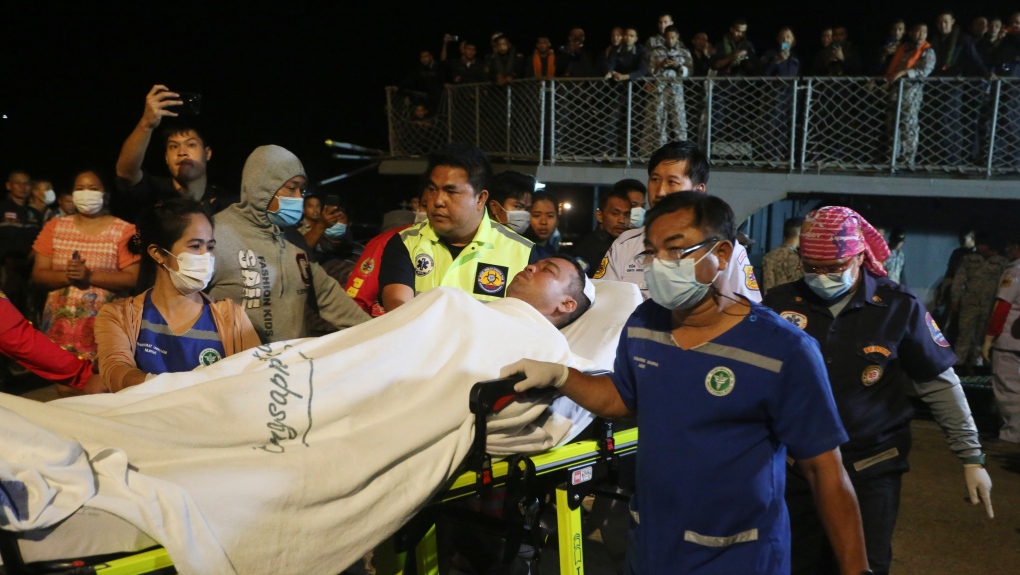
pixel 423 265
pixel 719 381
pixel 491 280
pixel 936 333
pixel 871 375
pixel 367 266
pixel 749 280
pixel 602 269
pixel 209 356
pixel 797 319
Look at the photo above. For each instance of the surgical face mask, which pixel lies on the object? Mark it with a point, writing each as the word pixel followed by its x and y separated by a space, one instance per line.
pixel 289 213
pixel 637 217
pixel 676 287
pixel 88 202
pixel 831 286
pixel 49 196
pixel 194 271
pixel 420 217
pixel 518 220
pixel 337 230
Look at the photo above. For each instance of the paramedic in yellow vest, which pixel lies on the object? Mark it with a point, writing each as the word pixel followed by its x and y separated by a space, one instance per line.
pixel 458 245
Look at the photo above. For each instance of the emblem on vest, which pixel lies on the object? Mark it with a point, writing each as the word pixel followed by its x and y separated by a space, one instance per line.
pixel 749 280
pixel 423 265
pixel 871 375
pixel 491 280
pixel 367 266
pixel 720 381
pixel 602 268
pixel 208 356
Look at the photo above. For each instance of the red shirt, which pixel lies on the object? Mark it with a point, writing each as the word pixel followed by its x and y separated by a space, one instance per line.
pixel 363 284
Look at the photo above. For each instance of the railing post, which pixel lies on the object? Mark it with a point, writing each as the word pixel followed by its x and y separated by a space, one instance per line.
pixel 478 116
pixel 991 132
pixel 630 100
pixel 793 126
pixel 541 122
pixel 710 82
pixel 807 123
pixel 449 114
pixel 552 123
pixel 509 112
pixel 389 121
pixel 896 127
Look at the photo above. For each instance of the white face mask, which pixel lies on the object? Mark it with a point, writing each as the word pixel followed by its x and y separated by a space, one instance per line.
pixel 637 217
pixel 518 220
pixel 676 287
pixel 49 196
pixel 194 271
pixel 831 286
pixel 88 202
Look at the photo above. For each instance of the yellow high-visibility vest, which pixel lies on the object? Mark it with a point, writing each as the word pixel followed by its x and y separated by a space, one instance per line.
pixel 483 268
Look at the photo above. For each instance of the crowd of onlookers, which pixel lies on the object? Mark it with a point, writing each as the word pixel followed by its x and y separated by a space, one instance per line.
pixel 940 47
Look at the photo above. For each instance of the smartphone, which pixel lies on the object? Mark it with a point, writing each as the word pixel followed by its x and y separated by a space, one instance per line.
pixel 331 200
pixel 785 46
pixel 192 105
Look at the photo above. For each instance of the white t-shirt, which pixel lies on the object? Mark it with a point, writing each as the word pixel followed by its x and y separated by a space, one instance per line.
pixel 619 265
pixel 1009 292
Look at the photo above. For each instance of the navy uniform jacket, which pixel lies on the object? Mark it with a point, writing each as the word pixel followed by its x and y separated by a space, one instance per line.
pixel 882 334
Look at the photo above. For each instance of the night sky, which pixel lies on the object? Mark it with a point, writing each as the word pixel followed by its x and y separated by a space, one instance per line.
pixel 296 73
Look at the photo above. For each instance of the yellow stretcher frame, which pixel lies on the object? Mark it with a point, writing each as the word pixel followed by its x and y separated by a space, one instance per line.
pixel 584 462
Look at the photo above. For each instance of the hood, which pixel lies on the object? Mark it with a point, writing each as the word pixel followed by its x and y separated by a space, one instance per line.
pixel 265 172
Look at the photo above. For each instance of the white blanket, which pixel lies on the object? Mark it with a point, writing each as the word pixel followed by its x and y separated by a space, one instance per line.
pixel 294 458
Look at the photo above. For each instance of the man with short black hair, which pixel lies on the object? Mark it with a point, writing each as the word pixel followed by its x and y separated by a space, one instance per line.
pixel 734 56
pixel 510 199
pixel 665 21
pixel 187 153
pixel 556 287
pixel 504 64
pixel 467 69
pixel 636 193
pixel 721 397
pixel 457 245
pixel 677 167
pixel 613 216
pixel 18 229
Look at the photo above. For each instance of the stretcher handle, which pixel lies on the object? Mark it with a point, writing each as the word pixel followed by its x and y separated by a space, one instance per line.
pixel 493 395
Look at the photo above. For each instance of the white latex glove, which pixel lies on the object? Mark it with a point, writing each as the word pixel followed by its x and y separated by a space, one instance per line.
pixel 979 484
pixel 536 374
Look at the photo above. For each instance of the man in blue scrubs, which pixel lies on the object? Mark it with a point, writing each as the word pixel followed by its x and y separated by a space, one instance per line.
pixel 721 397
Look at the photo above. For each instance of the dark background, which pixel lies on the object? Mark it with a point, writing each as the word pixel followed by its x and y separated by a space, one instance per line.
pixel 74 77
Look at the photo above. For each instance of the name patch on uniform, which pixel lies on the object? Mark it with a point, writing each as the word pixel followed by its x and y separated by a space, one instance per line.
pixel 720 381
pixel 871 375
pixel 209 356
pixel 749 280
pixel 797 319
pixel 877 349
pixel 367 266
pixel 936 333
pixel 423 265
pixel 491 280
pixel 602 268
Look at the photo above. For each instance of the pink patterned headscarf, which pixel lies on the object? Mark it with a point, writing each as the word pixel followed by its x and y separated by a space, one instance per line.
pixel 835 232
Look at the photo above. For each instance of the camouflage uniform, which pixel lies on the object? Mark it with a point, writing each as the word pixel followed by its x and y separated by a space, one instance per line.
pixel 666 96
pixel 974 287
pixel 913 95
pixel 781 266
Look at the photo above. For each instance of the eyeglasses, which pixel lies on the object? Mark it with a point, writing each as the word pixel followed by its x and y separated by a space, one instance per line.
pixel 673 255
pixel 821 270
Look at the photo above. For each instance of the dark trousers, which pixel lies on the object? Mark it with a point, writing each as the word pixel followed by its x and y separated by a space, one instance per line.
pixel 878 495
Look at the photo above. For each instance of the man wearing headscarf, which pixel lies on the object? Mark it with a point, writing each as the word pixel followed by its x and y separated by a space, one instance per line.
pixel 873 333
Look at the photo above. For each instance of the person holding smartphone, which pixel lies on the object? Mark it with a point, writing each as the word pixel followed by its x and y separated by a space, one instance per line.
pixel 781 61
pixel 187 152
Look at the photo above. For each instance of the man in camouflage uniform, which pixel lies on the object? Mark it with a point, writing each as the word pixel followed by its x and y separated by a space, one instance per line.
pixel 973 294
pixel 668 61
pixel 782 265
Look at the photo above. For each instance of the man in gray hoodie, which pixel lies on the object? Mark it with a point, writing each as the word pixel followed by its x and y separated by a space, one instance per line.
pixel 262 261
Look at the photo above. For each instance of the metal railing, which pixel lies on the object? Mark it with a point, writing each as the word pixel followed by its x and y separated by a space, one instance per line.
pixel 952 125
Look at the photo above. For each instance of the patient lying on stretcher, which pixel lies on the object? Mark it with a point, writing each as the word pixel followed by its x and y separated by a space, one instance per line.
pixel 296 457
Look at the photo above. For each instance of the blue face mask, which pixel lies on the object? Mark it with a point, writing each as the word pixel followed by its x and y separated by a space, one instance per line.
pixel 637 217
pixel 830 286
pixel 676 287
pixel 337 230
pixel 289 213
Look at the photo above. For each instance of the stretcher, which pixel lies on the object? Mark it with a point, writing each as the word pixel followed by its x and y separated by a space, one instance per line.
pixel 565 473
